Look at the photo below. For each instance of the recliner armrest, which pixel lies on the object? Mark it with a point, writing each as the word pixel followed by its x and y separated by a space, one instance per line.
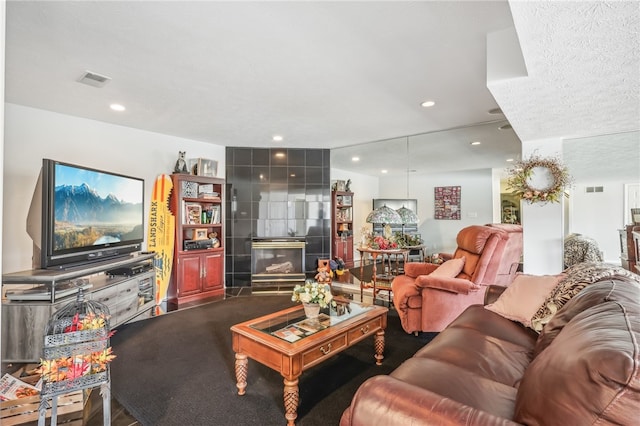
pixel 453 285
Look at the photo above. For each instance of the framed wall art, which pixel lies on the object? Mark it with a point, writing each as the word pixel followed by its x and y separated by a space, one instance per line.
pixel 447 202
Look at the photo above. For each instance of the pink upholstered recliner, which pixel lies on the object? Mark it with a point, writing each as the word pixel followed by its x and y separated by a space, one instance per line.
pixel 428 297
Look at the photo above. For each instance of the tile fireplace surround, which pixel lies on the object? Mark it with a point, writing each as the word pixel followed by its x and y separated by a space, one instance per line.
pixel 275 193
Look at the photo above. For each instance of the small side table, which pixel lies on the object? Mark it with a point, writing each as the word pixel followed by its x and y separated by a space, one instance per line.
pixel 404 252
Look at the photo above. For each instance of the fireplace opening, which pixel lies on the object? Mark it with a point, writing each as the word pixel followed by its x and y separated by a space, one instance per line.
pixel 277 261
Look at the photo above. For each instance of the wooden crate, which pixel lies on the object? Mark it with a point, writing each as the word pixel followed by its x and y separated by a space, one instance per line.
pixel 25 410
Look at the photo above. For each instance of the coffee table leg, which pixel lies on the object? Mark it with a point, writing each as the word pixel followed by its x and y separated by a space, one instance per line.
pixel 291 399
pixel 242 365
pixel 378 343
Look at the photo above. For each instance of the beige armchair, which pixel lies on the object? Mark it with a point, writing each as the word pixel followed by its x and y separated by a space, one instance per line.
pixel 428 297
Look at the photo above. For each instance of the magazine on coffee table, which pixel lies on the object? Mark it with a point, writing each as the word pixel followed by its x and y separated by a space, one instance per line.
pixel 300 329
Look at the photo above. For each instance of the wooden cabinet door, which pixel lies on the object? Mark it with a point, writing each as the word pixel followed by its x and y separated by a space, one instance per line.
pixel 343 247
pixel 189 275
pixel 212 275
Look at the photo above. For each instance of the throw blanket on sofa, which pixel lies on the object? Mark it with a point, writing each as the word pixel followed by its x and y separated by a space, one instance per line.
pixel 577 277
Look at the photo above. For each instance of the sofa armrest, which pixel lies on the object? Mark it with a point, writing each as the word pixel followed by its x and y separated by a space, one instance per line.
pixel 386 401
pixel 453 285
pixel 492 293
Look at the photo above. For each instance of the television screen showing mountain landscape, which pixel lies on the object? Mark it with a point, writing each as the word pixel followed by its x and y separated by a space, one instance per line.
pixel 95 208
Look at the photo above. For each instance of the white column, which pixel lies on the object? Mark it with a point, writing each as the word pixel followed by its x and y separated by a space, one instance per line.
pixel 543 229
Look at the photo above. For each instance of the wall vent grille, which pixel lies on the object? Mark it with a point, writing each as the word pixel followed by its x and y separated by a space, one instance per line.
pixel 594 189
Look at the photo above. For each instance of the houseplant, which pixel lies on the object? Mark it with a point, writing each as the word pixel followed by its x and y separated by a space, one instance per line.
pixel 313 296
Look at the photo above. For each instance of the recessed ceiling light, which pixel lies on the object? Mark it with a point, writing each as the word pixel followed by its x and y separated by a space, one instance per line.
pixel 117 107
pixel 277 138
pixel 355 159
pixel 428 104
pixel 384 171
pixel 476 143
pixel 495 111
pixel 505 127
pixel 509 160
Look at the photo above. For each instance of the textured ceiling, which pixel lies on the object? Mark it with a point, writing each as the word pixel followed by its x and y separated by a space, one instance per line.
pixel 583 64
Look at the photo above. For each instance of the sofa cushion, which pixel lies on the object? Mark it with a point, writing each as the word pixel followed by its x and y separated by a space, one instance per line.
pixel 477 318
pixel 591 370
pixel 521 300
pixel 459 384
pixel 493 358
pixel 577 278
pixel 450 268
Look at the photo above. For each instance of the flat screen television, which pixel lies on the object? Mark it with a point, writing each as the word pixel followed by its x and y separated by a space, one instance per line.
pixel 80 215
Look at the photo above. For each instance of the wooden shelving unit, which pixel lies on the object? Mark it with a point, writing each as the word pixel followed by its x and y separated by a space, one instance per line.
pixel 342 226
pixel 197 203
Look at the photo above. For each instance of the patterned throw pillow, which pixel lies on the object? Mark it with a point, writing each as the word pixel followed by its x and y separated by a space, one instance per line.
pixel 577 277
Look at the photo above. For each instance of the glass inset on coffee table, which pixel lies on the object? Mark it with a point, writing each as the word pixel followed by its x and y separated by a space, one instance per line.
pixel 288 342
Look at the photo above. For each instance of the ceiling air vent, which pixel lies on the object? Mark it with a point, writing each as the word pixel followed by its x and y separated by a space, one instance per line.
pixel 93 79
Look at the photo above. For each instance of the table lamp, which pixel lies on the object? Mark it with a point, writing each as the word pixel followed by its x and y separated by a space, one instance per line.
pixel 386 216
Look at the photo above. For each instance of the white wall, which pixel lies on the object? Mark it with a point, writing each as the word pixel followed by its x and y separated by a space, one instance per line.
pixel 33 134
pixel 476 203
pixel 365 189
pixel 3 15
pixel 598 215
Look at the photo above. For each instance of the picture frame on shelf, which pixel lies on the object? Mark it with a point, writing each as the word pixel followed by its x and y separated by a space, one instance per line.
pixel 200 234
pixel 192 214
pixel 203 167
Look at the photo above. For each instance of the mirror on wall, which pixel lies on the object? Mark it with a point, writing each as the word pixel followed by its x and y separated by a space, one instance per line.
pixel 606 185
pixel 411 167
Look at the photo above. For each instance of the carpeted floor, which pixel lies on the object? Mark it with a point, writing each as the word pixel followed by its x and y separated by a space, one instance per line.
pixel 178 369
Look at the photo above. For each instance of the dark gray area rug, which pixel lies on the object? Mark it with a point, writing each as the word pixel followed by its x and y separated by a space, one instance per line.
pixel 178 369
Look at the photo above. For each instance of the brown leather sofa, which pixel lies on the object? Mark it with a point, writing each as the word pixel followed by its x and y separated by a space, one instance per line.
pixel 425 302
pixel 483 369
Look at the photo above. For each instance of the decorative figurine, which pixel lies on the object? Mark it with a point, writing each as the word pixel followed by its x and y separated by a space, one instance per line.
pixel 215 242
pixel 181 164
pixel 347 187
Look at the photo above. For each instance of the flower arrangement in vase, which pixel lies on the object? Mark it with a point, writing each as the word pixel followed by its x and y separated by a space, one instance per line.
pixel 313 293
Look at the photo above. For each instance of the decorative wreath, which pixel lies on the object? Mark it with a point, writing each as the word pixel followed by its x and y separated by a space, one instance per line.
pixel 520 175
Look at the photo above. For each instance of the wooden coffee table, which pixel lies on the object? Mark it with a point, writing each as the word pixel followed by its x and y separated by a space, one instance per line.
pixel 289 343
